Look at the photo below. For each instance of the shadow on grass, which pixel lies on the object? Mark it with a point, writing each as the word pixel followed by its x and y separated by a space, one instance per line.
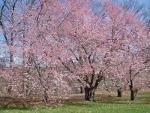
pixel 80 104
pixel 14 108
pixel 142 98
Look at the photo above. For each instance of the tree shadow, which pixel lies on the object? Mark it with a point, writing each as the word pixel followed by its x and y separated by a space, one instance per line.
pixel 14 108
pixel 80 104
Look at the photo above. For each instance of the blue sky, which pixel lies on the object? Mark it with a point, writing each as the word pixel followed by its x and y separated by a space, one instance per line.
pixel 146 3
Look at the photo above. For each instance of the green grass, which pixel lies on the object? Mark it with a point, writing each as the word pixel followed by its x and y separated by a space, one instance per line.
pixel 105 105
pixel 86 108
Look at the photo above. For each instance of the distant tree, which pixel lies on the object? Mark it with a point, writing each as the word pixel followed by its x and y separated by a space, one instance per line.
pixel 129 38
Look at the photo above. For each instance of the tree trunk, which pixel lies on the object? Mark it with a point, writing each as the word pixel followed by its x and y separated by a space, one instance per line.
pixel 81 89
pixel 89 94
pixel 11 59
pixel 45 96
pixel 132 96
pixel 119 92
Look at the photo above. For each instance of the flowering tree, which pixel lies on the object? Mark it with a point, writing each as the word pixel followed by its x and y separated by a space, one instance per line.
pixel 54 35
pixel 129 38
pixel 10 13
pixel 39 46
pixel 88 46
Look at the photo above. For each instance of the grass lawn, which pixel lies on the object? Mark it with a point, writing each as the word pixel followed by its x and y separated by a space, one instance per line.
pixel 107 105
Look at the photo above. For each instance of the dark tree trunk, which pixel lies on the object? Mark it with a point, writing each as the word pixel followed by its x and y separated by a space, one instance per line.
pixel 45 96
pixel 11 59
pixel 119 92
pixel 81 89
pixel 11 54
pixel 89 94
pixel 9 90
pixel 132 96
pixel 92 86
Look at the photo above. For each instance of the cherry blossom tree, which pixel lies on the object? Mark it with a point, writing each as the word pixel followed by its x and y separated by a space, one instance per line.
pixel 10 15
pixel 66 40
pixel 129 39
pixel 114 83
pixel 88 46
pixel 40 49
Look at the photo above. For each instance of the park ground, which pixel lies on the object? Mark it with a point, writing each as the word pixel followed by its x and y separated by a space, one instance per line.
pixel 104 104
